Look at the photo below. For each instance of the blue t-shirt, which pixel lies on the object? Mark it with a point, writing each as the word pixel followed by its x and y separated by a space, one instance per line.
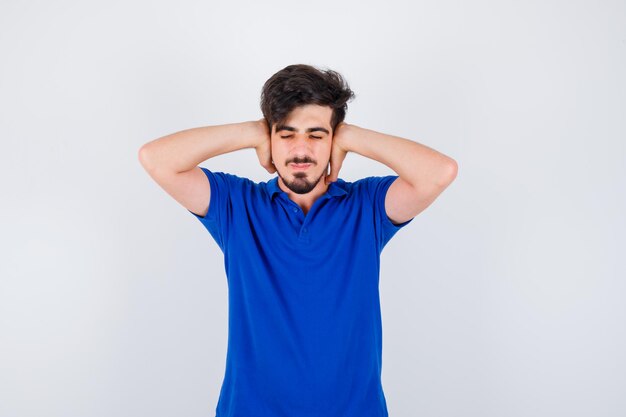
pixel 304 320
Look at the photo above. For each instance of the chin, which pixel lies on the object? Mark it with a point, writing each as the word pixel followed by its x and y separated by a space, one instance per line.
pixel 301 183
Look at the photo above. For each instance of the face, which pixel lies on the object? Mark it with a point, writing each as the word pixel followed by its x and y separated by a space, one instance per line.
pixel 301 147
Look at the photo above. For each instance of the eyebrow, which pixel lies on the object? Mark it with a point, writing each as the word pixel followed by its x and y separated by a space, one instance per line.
pixel 293 129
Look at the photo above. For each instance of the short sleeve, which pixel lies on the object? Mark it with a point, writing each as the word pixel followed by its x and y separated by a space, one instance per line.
pixel 377 188
pixel 216 220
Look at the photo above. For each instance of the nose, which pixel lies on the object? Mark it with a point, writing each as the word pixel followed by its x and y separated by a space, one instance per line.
pixel 301 152
pixel 301 145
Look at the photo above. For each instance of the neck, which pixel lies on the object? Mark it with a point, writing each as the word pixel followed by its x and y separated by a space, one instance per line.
pixel 305 201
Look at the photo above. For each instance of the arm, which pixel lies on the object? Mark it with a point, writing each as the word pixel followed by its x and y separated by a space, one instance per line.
pixel 423 172
pixel 184 150
pixel 172 161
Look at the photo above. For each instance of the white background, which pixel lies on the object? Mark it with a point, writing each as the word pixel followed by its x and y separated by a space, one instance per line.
pixel 504 298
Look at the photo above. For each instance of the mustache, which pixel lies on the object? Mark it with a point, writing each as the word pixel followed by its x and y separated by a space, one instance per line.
pixel 305 160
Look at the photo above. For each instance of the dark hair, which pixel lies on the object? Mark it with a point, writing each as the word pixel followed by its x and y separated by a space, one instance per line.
pixel 299 84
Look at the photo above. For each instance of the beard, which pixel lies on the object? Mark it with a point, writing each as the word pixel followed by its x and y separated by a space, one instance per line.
pixel 300 183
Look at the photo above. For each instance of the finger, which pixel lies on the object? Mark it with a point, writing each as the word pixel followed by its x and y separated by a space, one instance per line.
pixel 340 155
pixel 331 169
pixel 327 174
pixel 265 158
pixel 334 174
pixel 334 169
pixel 272 167
pixel 269 164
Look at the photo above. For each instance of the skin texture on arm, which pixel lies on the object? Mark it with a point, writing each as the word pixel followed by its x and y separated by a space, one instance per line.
pixel 184 150
pixel 172 161
pixel 423 172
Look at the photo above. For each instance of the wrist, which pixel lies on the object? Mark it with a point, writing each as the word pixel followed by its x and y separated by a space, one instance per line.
pixel 345 134
pixel 258 132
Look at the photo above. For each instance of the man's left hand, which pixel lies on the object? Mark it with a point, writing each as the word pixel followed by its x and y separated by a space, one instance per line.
pixel 338 152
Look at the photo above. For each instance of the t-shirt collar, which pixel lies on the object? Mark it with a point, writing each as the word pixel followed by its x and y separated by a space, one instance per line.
pixel 334 189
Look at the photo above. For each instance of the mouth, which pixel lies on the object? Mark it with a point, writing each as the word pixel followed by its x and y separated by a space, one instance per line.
pixel 299 167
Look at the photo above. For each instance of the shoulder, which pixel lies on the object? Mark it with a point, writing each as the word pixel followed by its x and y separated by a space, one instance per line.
pixel 367 187
pixel 229 180
pixel 225 176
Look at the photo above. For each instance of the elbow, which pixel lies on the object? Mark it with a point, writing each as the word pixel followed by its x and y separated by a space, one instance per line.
pixel 453 169
pixel 448 173
pixel 143 156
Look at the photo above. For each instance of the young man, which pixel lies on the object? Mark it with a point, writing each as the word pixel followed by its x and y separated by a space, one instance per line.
pixel 301 250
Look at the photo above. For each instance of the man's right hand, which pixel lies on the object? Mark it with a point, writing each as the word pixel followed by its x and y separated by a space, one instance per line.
pixel 263 147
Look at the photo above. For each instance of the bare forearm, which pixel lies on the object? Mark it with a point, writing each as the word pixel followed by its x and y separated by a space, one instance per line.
pixel 181 151
pixel 412 161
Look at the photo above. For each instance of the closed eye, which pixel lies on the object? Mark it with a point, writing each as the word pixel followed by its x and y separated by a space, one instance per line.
pixel 289 136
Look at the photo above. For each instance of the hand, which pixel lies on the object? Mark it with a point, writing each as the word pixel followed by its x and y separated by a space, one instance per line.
pixel 263 148
pixel 338 152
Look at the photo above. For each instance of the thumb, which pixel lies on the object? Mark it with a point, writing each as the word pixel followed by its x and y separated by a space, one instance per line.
pixel 335 166
pixel 265 158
